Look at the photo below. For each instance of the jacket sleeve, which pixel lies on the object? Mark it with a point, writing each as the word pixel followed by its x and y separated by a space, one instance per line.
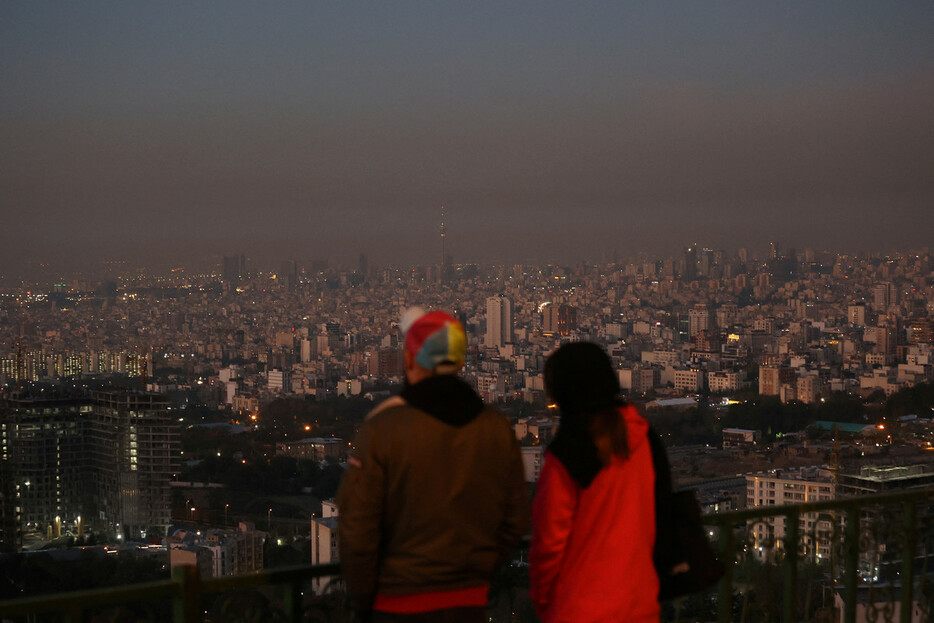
pixel 360 501
pixel 553 512
pixel 515 523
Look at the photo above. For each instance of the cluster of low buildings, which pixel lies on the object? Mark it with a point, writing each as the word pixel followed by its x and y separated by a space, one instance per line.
pixel 217 552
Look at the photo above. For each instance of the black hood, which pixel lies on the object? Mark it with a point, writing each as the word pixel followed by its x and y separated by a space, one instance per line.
pixel 445 397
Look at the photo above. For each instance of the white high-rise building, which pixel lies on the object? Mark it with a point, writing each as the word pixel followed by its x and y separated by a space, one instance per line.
pixel 498 321
pixel 699 319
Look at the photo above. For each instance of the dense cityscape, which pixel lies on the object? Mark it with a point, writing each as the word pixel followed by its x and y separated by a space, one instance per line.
pixel 222 224
pixel 204 419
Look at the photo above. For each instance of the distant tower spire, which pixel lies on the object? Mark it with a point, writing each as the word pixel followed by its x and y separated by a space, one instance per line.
pixel 443 257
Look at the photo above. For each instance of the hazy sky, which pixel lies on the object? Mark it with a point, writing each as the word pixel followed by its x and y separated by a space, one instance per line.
pixel 175 132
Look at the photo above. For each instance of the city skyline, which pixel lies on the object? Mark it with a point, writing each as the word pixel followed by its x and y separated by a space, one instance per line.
pixel 249 268
pixel 550 132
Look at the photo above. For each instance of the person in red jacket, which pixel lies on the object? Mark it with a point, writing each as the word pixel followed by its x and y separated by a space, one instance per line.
pixel 593 516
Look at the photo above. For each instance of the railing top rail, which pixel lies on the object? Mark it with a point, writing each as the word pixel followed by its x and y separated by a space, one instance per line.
pixel 283 575
pixel 161 589
pixel 840 503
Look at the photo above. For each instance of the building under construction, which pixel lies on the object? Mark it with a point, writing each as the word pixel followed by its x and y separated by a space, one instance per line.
pixel 71 463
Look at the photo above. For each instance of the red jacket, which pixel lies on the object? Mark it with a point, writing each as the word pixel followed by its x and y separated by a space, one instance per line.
pixel 591 553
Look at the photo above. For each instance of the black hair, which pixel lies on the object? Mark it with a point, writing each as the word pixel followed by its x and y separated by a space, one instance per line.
pixel 581 380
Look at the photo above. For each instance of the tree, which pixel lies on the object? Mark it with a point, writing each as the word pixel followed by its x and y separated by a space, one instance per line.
pixel 915 400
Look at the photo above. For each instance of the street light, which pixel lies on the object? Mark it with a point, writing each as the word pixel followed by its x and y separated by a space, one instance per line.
pixel 269 520
pixel 226 506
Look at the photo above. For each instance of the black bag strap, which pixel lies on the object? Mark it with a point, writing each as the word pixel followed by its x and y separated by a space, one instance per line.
pixel 666 551
pixel 680 538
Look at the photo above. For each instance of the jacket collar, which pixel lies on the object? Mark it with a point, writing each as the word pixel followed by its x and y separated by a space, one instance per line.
pixel 446 398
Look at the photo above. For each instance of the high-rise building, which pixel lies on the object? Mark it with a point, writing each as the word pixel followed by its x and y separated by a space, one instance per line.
pixel 104 462
pixel 807 388
pixel 390 363
pixel 559 319
pixel 10 533
pixel 772 378
pixel 288 274
pixel 549 313
pixel 234 268
pixel 690 264
pixel 498 321
pixel 279 381
pixel 886 336
pixel 883 296
pixel 921 331
pixel 705 262
pixel 45 464
pixel 699 319
pixel 567 319
pixel 133 446
pixel 856 314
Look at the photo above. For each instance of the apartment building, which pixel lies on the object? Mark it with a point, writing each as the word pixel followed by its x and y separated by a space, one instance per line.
pixel 788 487
pixel 102 462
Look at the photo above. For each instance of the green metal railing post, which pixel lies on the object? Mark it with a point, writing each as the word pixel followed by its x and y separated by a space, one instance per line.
pixel 790 564
pixel 74 614
pixel 908 559
pixel 293 601
pixel 187 604
pixel 728 558
pixel 851 557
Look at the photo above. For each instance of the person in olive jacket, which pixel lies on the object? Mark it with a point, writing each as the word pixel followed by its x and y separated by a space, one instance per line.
pixel 434 498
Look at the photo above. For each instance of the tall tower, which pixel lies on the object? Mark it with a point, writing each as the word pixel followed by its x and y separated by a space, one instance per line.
pixel 443 265
pixel 498 321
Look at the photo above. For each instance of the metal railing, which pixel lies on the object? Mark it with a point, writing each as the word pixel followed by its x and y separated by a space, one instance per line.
pixel 182 599
pixel 872 555
pixel 853 560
